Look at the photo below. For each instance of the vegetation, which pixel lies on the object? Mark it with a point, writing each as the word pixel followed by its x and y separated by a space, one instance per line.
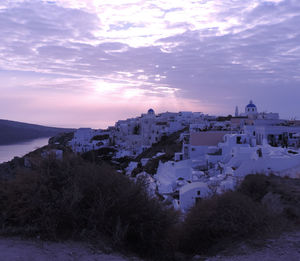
pixel 62 138
pixel 168 144
pixel 228 217
pixel 261 205
pixel 80 200
pixel 75 198
pixel 224 118
pixel 137 130
pixel 101 137
pixel 99 156
pixel 281 195
pixel 151 166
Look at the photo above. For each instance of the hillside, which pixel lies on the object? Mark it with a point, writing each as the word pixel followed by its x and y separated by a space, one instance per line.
pixel 14 132
pixel 75 199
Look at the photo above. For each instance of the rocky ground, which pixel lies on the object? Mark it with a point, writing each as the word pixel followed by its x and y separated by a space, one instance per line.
pixel 15 249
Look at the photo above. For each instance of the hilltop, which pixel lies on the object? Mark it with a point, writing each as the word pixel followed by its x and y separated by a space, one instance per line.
pixel 15 132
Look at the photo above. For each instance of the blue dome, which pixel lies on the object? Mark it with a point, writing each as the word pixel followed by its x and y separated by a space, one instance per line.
pixel 150 111
pixel 251 105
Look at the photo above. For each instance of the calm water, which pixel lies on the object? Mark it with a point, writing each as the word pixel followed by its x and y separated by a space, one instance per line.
pixel 8 152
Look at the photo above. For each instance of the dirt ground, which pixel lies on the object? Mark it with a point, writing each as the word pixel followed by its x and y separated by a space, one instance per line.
pixel 283 248
pixel 15 249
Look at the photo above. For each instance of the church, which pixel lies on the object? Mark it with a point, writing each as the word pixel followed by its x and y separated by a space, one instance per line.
pixel 251 112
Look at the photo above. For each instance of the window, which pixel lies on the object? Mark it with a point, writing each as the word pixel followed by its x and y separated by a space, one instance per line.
pixel 198 199
pixel 259 153
pixel 198 192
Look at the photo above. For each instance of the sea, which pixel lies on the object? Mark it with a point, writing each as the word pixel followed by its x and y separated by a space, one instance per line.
pixel 8 152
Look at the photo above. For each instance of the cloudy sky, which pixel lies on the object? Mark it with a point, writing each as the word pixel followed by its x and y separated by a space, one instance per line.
pixel 92 62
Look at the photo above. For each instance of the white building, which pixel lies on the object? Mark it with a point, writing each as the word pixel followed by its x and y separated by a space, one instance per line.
pixel 135 134
pixel 192 193
pixel 86 139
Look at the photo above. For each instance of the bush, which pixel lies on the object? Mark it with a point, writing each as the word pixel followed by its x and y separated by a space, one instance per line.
pixel 280 195
pixel 255 186
pixel 151 166
pixel 77 199
pixel 226 217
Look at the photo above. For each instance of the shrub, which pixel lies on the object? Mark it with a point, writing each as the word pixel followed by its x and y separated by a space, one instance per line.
pixel 77 199
pixel 255 186
pixel 273 203
pixel 151 166
pixel 280 195
pixel 226 217
pixel 100 137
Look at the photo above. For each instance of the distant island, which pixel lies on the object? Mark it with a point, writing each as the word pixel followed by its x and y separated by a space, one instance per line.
pixel 12 132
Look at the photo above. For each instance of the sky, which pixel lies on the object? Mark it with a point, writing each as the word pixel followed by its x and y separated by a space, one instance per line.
pixel 89 63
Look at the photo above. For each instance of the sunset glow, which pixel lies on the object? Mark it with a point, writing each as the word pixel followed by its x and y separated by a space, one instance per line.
pixel 89 63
